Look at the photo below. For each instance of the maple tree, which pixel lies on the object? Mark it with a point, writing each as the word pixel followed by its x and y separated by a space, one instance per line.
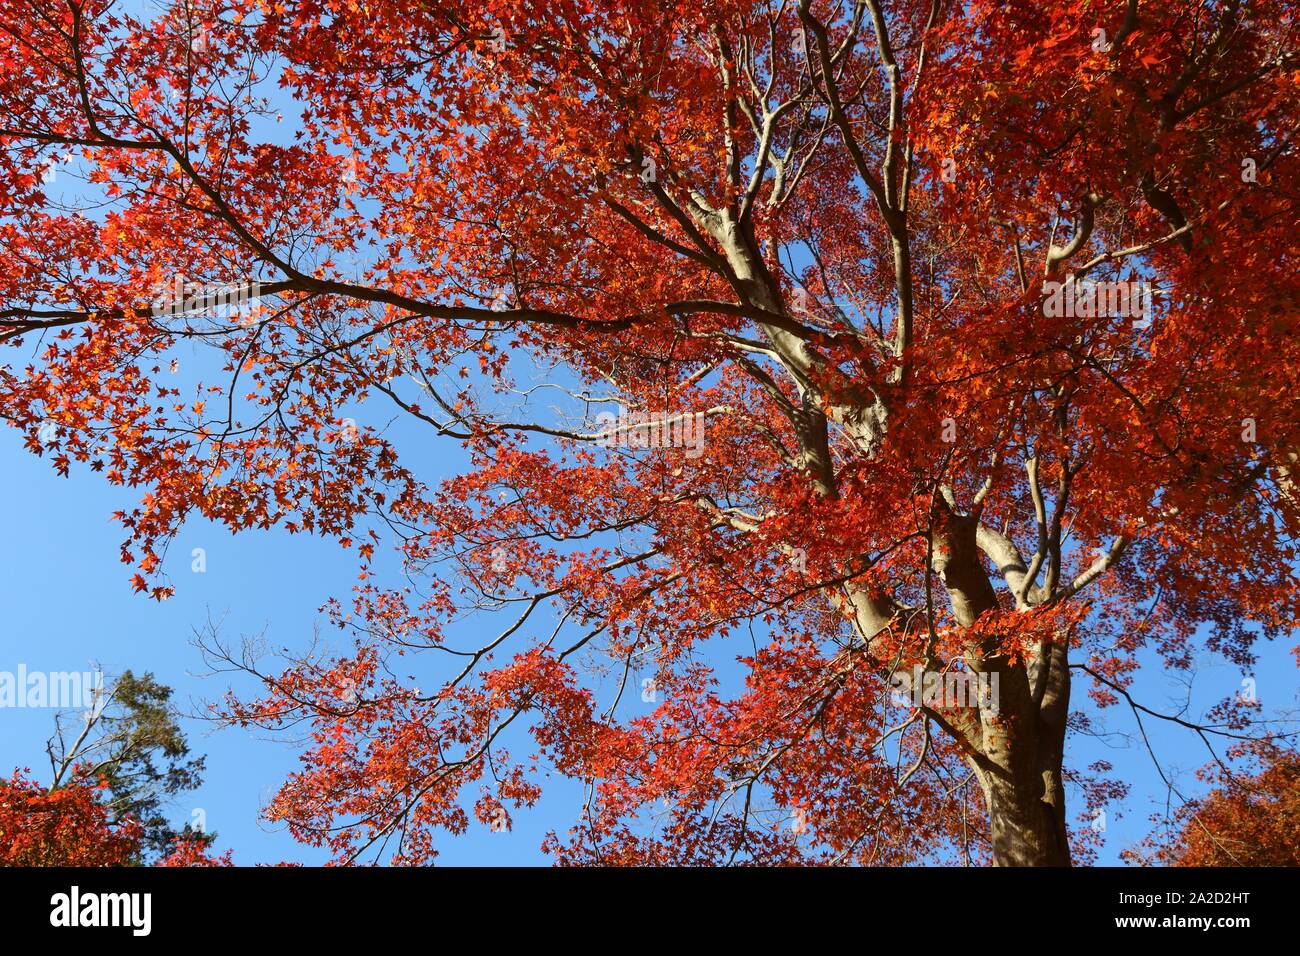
pixel 73 825
pixel 1246 820
pixel 67 826
pixel 828 230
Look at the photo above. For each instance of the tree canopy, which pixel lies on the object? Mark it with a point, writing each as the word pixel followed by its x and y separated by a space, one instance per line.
pixel 986 315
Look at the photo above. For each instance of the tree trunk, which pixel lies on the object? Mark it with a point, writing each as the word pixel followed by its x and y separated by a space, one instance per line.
pixel 1026 829
pixel 1019 767
pixel 1016 748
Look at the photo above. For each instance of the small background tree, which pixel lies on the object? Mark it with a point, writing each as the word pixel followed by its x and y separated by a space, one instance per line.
pixel 115 769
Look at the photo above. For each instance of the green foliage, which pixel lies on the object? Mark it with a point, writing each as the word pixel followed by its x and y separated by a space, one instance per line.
pixel 132 742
